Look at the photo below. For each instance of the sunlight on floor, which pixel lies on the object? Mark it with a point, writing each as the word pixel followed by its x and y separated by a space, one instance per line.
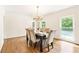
pixel 66 47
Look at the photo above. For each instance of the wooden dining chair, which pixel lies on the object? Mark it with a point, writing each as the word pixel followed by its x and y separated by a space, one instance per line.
pixel 28 37
pixel 33 38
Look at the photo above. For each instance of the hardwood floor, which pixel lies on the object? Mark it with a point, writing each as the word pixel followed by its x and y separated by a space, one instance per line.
pixel 19 45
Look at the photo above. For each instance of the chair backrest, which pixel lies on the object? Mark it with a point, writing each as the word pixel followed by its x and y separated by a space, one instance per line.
pixel 50 37
pixel 32 35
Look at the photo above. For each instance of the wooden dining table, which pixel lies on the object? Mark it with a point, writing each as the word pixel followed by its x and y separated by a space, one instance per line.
pixel 42 36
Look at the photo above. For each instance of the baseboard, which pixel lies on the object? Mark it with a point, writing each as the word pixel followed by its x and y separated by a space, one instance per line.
pixel 57 38
pixel 71 42
pixel 14 37
pixel 66 41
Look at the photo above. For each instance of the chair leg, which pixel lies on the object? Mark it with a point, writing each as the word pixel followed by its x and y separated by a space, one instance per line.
pixel 30 43
pixel 35 44
pixel 52 44
pixel 27 40
pixel 48 47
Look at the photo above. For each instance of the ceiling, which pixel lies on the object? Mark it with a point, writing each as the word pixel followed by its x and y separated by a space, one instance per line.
pixel 31 9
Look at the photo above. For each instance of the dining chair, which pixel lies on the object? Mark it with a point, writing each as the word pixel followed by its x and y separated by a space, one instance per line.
pixel 33 38
pixel 28 37
pixel 50 39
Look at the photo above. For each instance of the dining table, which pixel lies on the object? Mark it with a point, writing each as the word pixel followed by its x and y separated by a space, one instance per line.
pixel 42 35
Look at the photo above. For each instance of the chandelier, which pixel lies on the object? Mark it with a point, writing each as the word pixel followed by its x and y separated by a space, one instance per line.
pixel 37 18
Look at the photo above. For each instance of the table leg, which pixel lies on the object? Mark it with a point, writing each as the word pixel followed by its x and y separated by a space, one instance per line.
pixel 41 50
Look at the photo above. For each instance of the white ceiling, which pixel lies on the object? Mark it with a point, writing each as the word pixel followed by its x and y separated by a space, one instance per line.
pixel 31 9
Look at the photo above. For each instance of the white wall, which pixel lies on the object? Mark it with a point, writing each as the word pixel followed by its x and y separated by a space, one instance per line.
pixel 54 19
pixel 15 24
pixel 1 25
pixel 77 25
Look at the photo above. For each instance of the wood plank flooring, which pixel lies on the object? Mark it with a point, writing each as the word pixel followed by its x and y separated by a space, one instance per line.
pixel 19 45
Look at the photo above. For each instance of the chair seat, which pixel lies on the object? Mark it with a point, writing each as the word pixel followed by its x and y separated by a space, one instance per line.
pixel 37 40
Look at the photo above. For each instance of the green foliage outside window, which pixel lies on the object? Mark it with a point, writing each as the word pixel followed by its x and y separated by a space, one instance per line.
pixel 67 23
pixel 43 24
